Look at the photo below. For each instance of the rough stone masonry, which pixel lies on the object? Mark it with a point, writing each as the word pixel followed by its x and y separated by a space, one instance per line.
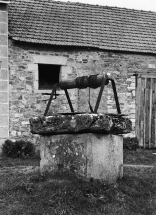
pixel 26 101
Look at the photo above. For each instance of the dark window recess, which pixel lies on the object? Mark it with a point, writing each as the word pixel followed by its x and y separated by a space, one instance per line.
pixel 48 76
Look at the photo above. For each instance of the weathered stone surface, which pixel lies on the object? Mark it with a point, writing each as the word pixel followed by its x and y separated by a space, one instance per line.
pixel 4 132
pixel 80 123
pixel 89 155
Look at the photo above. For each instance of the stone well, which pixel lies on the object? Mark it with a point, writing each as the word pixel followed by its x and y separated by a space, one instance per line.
pixel 88 144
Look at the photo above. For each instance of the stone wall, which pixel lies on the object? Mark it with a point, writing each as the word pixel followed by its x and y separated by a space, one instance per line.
pixel 26 101
pixel 4 77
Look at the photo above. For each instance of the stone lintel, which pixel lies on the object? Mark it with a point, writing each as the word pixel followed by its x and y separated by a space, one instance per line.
pixel 43 59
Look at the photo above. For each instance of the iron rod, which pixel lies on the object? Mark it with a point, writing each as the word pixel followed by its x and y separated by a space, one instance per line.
pixel 51 97
pixel 115 96
pixel 69 101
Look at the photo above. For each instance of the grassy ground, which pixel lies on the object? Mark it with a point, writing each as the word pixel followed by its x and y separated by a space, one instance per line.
pixel 35 194
pixel 140 156
pixel 9 162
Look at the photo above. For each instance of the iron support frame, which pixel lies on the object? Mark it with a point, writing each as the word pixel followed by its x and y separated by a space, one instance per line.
pixel 104 82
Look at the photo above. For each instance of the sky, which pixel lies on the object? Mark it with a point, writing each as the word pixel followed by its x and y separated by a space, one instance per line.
pixel 149 5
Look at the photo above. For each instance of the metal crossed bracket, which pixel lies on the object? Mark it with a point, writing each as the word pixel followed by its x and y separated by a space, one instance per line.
pixel 93 81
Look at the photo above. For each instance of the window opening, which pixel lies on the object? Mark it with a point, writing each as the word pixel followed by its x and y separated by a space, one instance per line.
pixel 48 76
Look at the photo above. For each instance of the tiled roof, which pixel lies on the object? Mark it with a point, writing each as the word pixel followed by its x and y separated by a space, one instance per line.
pixel 77 24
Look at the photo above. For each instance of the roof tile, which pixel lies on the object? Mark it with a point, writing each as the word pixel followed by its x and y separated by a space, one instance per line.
pixel 77 24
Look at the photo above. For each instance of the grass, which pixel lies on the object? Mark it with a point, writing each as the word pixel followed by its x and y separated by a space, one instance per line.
pixel 56 194
pixel 9 162
pixel 65 194
pixel 140 156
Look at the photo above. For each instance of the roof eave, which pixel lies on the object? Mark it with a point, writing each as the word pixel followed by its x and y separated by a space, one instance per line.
pixel 80 45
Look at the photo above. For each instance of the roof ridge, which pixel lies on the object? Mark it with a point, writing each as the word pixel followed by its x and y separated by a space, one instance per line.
pixel 89 5
pixel 101 6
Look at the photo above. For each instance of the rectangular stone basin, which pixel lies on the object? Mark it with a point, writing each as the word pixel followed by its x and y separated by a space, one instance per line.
pixel 97 156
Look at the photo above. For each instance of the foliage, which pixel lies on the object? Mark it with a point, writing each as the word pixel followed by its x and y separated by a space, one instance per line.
pixel 130 143
pixel 18 149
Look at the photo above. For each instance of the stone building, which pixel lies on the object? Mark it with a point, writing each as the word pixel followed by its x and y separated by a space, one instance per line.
pixel 50 40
